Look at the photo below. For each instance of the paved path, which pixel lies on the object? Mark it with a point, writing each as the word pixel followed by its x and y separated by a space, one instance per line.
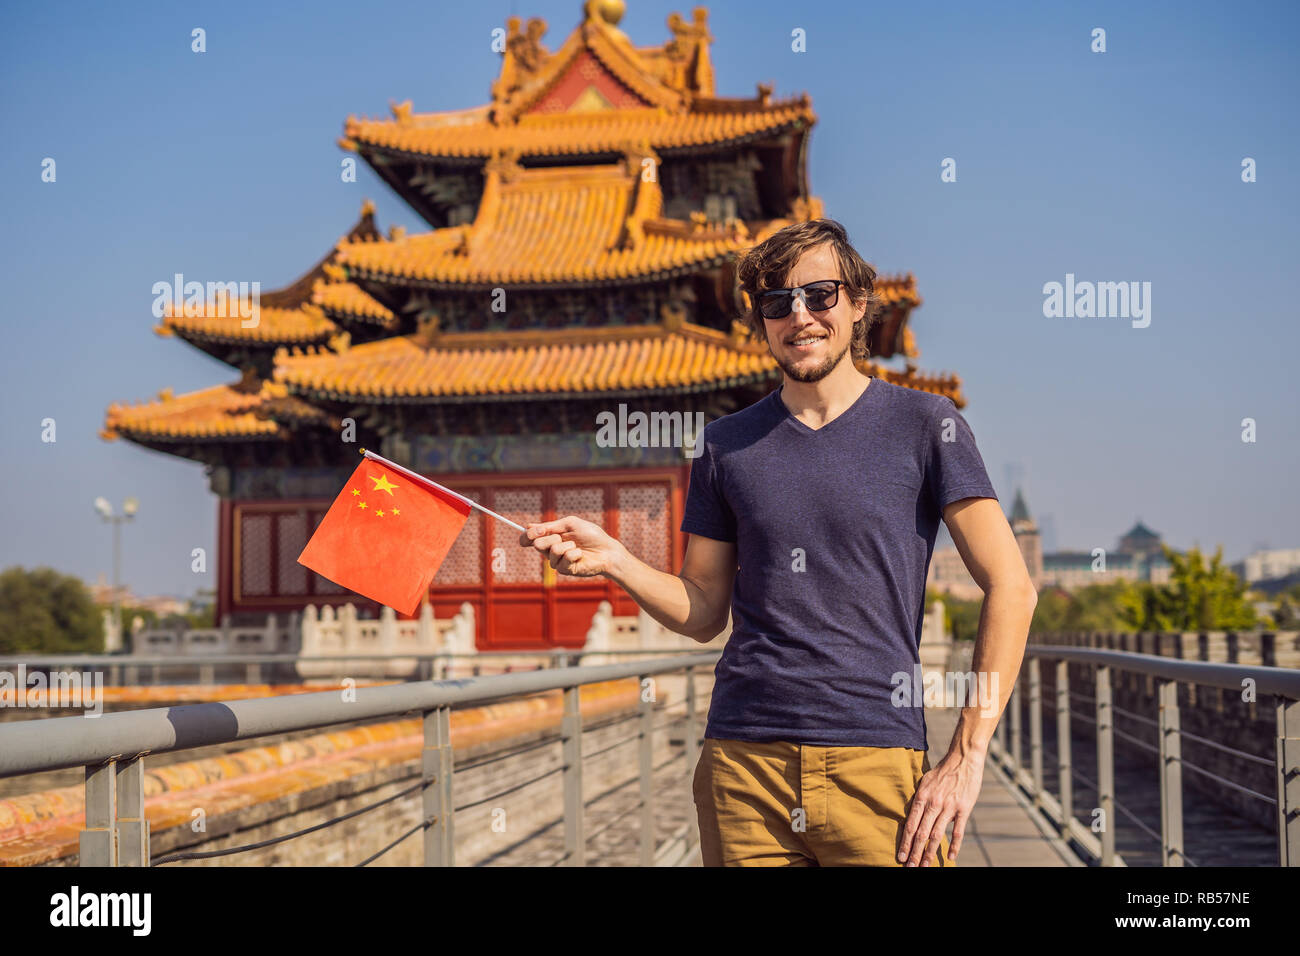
pixel 1002 831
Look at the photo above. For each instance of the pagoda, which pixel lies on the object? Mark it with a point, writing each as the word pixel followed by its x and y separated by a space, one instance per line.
pixel 580 259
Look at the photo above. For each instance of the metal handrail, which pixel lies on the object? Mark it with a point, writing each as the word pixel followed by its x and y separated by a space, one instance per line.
pixel 1280 681
pixel 59 743
pixel 1283 684
pixel 112 747
pixel 175 660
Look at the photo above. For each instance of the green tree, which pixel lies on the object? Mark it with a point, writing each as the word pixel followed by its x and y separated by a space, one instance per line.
pixel 1097 607
pixel 1197 597
pixel 1286 615
pixel 961 618
pixel 45 612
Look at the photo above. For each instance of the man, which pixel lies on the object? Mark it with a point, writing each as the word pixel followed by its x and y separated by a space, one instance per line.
pixel 812 516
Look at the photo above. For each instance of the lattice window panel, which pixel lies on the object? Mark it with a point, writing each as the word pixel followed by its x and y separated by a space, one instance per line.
pixel 586 502
pixel 291 533
pixel 464 563
pixel 255 554
pixel 517 565
pixel 322 585
pixel 643 523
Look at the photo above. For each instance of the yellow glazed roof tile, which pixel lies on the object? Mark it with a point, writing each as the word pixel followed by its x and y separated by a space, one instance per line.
pixel 543 365
pixel 242 410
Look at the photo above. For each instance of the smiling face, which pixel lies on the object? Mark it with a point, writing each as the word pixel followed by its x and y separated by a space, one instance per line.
pixel 808 346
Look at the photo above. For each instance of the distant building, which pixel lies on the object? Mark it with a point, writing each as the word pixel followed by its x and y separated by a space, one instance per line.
pixel 1265 565
pixel 102 594
pixel 1028 537
pixel 1139 556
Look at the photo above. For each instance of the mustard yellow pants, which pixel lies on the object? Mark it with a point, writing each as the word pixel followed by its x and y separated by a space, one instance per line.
pixel 786 804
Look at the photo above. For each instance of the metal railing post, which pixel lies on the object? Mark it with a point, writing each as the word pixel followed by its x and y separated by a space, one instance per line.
pixel 132 826
pixel 1288 781
pixel 646 757
pixel 1017 735
pixel 1171 776
pixel 1036 728
pixel 692 731
pixel 437 769
pixel 575 850
pixel 1106 765
pixel 98 844
pixel 1064 763
pixel 253 673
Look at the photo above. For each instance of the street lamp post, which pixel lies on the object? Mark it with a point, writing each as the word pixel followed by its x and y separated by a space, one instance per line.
pixel 129 507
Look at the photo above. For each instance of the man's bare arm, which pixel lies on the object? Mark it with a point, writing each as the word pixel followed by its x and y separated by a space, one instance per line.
pixel 949 791
pixel 989 549
pixel 694 603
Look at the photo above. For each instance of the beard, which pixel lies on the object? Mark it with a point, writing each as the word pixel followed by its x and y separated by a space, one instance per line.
pixel 814 373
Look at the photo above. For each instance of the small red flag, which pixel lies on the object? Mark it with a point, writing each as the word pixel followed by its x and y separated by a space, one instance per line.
pixel 385 536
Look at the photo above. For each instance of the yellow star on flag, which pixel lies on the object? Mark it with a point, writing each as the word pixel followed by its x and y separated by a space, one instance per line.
pixel 361 504
pixel 355 491
pixel 380 513
pixel 396 512
pixel 382 483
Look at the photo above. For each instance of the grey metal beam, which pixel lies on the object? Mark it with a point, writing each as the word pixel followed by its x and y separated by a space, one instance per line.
pixel 98 844
pixel 1106 765
pixel 132 825
pixel 1288 781
pixel 63 742
pixel 1283 681
pixel 436 774
pixel 1064 761
pixel 645 755
pixel 575 842
pixel 1017 735
pixel 1171 776
pixel 1036 729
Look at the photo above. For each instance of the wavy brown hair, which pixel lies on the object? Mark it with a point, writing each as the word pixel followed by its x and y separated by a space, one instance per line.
pixel 767 265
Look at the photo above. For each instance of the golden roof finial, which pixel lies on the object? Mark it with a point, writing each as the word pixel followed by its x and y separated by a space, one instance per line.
pixel 611 11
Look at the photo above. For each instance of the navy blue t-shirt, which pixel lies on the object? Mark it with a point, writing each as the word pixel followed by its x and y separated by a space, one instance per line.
pixel 834 528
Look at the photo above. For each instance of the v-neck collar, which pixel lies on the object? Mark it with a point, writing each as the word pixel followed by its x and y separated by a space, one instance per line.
pixel 858 404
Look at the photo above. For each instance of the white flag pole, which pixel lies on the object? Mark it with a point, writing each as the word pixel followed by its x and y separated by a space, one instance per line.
pixel 427 481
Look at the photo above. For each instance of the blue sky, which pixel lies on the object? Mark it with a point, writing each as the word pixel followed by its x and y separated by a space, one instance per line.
pixel 1115 166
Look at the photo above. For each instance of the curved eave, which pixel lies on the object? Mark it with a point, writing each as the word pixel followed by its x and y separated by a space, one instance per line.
pixel 316 394
pixel 150 438
pixel 476 156
pixel 571 282
pixel 202 339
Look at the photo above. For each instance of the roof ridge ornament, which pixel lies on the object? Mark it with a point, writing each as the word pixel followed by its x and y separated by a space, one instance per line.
pixel 610 11
pixel 522 57
pixel 688 53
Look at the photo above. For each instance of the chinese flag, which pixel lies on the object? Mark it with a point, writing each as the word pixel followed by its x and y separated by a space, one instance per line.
pixel 385 536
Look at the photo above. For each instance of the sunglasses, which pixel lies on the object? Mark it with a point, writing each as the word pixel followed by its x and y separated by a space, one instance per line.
pixel 816 296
